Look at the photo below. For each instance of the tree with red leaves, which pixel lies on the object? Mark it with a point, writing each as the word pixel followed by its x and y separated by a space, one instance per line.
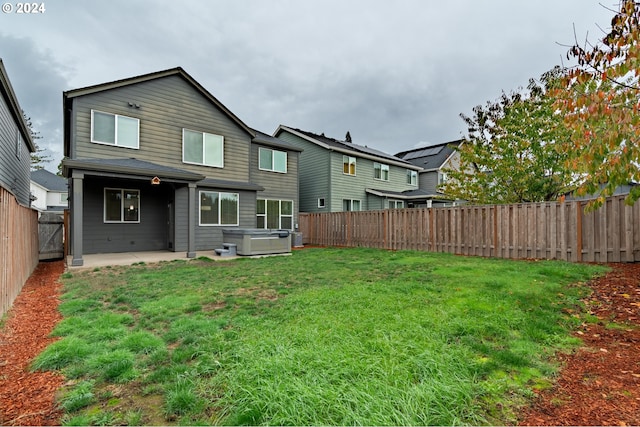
pixel 600 102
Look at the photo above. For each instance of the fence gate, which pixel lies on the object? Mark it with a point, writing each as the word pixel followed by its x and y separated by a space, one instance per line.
pixel 50 235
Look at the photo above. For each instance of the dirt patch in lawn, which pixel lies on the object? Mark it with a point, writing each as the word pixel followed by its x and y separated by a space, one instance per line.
pixel 598 385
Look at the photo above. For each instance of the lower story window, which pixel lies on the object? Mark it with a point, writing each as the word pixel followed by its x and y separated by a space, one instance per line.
pixel 217 208
pixel 350 205
pixel 121 205
pixel 396 204
pixel 275 214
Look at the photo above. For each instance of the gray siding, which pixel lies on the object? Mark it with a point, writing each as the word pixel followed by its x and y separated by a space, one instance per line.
pixel 210 237
pixel 281 186
pixel 14 169
pixel 428 181
pixel 353 187
pixel 313 174
pixel 167 105
pixel 148 235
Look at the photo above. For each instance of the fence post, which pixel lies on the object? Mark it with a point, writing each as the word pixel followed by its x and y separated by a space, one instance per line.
pixel 579 231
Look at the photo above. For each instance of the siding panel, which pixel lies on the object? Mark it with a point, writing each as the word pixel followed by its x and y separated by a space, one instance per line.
pixel 167 105
pixel 14 170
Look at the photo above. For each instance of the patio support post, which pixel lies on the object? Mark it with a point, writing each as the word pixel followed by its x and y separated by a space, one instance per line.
pixel 76 219
pixel 191 239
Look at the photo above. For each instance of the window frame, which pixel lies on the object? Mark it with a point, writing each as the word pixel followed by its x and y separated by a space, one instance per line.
pixel 203 133
pixel 378 171
pixel 412 177
pixel 351 205
pixel 265 215
pixel 348 161
pixel 115 130
pixel 442 177
pixel 273 157
pixel 122 206
pixel 219 224
pixel 395 204
pixel 322 204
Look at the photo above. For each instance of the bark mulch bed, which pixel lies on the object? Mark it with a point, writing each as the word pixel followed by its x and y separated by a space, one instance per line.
pixel 598 385
pixel 28 398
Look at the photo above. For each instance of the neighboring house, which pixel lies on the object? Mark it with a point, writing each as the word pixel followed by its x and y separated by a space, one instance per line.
pixel 340 176
pixel 155 162
pixel 620 190
pixel 16 144
pixel 49 191
pixel 434 161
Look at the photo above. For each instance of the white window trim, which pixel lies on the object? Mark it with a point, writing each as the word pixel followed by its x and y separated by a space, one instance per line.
pixel 410 175
pixel 442 177
pixel 323 204
pixel 382 167
pixel 115 144
pixel 355 164
pixel 237 223
pixel 272 169
pixel 203 154
pixel 395 204
pixel 351 204
pixel 122 221
pixel 280 216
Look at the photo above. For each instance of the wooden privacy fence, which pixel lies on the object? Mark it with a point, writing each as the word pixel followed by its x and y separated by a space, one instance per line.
pixel 18 247
pixel 549 230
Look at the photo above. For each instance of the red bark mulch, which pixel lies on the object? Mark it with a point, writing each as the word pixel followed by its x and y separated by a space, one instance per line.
pixel 598 385
pixel 28 398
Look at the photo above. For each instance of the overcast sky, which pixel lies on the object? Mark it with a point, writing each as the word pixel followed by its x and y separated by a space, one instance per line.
pixel 397 74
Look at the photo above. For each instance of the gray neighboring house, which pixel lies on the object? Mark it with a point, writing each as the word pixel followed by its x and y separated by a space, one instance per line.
pixel 434 160
pixel 16 145
pixel 338 176
pixel 155 162
pixel 50 192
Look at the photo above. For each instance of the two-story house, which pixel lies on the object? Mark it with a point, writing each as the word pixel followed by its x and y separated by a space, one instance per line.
pixel 434 162
pixel 16 144
pixel 340 176
pixel 156 162
pixel 49 192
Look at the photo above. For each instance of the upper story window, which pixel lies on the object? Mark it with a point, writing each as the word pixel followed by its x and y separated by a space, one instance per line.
pixel 121 205
pixel 272 160
pixel 114 129
pixel 349 165
pixel 442 178
pixel 381 171
pixel 217 208
pixel 412 177
pixel 202 148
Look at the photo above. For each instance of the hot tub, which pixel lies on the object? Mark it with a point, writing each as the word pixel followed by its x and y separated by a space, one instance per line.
pixel 256 241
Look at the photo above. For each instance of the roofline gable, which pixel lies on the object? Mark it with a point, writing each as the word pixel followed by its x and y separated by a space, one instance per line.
pixel 355 153
pixel 6 90
pixel 68 95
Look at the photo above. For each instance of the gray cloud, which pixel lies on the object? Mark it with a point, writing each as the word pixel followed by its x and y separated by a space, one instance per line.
pixel 392 73
pixel 38 80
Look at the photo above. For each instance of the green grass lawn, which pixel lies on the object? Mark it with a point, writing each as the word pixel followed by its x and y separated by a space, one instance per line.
pixel 322 337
